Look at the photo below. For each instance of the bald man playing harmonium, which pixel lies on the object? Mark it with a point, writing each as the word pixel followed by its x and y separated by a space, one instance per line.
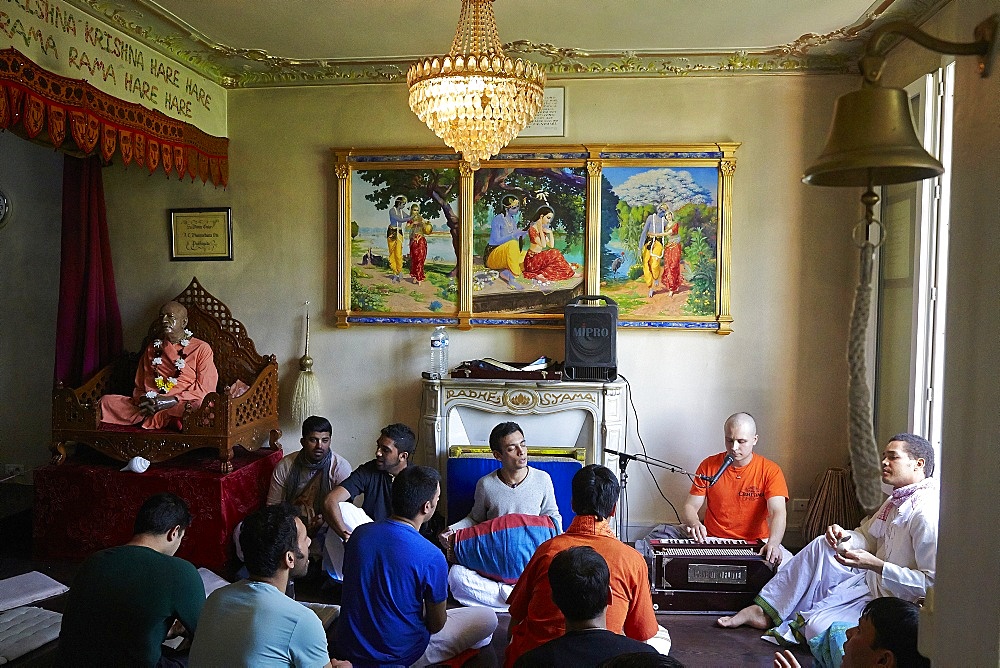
pixel 745 494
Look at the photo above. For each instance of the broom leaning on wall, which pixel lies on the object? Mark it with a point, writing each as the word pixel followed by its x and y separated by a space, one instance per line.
pixel 306 398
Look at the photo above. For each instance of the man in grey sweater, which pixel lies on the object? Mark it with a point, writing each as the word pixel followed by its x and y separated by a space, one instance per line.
pixel 515 487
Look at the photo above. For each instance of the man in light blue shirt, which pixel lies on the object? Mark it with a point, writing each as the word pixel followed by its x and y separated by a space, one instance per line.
pixel 252 622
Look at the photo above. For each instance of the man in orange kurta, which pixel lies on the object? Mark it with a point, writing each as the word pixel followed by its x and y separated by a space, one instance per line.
pixel 174 372
pixel 535 619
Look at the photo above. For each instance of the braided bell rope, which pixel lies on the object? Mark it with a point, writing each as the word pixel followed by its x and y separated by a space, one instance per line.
pixel 865 457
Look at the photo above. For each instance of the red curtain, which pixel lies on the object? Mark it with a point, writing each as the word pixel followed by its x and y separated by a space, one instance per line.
pixel 89 324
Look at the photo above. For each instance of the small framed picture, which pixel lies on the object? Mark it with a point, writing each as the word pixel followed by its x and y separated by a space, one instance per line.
pixel 201 234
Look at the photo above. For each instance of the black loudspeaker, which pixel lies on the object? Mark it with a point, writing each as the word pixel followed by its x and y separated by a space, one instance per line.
pixel 591 335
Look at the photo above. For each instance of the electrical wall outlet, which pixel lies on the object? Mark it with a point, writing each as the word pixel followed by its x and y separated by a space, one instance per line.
pixel 800 505
pixel 10 470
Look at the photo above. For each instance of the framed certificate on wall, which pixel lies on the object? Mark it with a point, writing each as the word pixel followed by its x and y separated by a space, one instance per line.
pixel 201 234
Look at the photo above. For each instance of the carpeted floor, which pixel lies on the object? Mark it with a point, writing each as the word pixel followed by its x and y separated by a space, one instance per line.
pixel 696 641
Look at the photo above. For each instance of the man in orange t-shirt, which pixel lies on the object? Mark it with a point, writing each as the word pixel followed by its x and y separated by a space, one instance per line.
pixel 748 499
pixel 535 619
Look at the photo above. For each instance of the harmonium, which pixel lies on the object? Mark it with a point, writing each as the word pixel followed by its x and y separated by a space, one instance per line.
pixel 719 576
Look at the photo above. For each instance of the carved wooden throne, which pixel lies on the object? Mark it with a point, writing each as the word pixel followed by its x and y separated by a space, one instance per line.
pixel 222 421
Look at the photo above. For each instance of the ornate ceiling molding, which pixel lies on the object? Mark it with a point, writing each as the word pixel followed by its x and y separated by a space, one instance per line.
pixel 232 67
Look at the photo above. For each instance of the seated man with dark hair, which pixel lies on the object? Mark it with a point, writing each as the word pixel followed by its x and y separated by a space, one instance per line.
pixel 514 488
pixel 373 480
pixel 885 637
pixel 892 553
pixel 534 618
pixel 581 588
pixel 305 478
pixel 252 621
pixel 126 600
pixel 396 587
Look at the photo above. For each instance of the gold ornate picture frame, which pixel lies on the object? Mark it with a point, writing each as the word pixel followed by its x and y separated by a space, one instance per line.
pixel 423 239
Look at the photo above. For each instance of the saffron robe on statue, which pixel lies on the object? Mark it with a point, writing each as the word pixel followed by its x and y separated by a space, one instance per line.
pixel 196 379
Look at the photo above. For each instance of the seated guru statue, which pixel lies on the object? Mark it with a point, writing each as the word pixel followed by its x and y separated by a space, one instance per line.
pixel 174 372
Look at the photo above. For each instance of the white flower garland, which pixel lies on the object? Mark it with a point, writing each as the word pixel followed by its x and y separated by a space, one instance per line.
pixel 163 383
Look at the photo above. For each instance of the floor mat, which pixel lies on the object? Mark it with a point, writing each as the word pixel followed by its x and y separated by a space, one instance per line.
pixel 23 630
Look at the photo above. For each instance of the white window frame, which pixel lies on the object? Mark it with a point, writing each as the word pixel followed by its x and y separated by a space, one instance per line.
pixel 932 99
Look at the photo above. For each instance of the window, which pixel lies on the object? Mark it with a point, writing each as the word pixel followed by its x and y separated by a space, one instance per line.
pixel 912 270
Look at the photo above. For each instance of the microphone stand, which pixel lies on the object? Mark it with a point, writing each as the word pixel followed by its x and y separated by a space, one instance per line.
pixel 623 459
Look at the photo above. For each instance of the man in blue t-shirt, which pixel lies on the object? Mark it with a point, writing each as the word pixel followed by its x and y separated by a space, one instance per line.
pixel 396 587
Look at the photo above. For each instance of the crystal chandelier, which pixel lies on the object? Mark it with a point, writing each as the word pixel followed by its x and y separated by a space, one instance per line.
pixel 475 98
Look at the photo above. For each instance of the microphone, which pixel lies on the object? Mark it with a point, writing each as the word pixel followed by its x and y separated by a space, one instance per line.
pixel 725 465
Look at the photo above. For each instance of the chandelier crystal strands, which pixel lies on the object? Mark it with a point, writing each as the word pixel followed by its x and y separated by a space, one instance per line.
pixel 476 98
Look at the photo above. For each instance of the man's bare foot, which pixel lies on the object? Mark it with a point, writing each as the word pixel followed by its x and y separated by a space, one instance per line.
pixel 752 615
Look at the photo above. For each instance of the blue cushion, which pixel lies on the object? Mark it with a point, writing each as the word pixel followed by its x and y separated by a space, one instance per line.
pixel 465 472
pixel 500 548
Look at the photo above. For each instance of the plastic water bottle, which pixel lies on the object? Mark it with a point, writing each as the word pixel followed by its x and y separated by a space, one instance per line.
pixel 439 353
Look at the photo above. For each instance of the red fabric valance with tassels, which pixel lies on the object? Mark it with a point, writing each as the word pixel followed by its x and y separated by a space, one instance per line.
pixel 49 107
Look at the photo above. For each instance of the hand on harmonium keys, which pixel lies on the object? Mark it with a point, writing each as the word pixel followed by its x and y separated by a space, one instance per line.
pixel 698 532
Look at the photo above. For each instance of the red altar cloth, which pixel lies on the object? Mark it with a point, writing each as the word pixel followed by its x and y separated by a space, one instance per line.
pixel 87 504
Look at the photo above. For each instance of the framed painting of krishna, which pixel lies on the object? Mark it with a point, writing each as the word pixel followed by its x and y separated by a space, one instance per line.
pixel 424 239
pixel 665 238
pixel 402 240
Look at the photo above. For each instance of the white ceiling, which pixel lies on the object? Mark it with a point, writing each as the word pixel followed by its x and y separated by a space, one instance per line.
pixel 274 42
pixel 412 28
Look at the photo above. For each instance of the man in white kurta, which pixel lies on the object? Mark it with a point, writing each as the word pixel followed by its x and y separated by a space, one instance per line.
pixel 892 553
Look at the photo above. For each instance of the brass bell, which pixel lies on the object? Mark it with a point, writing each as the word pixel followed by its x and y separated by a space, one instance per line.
pixel 872 142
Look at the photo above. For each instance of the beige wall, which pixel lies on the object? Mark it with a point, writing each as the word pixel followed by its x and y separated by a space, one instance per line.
pixel 31 177
pixel 793 267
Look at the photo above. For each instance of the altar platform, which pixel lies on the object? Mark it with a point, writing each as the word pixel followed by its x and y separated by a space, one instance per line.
pixel 88 504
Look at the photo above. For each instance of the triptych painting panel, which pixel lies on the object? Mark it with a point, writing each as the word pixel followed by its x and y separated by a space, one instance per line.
pixel 426 240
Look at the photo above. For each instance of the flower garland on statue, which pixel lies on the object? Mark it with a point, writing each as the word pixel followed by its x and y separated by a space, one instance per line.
pixel 165 384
